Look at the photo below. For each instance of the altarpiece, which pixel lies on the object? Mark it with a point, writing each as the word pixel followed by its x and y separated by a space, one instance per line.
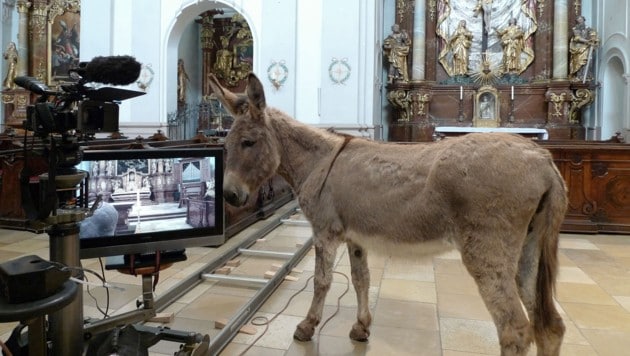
pixel 517 51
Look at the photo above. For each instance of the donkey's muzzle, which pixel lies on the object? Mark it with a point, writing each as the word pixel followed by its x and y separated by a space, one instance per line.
pixel 235 192
pixel 234 199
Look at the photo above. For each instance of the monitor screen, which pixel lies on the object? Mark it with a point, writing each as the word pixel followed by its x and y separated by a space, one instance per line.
pixel 151 200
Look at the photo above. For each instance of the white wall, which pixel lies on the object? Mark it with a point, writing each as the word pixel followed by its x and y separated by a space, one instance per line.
pixel 304 35
pixel 611 18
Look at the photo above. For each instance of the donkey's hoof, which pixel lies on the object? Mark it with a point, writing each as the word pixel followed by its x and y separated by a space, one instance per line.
pixel 359 332
pixel 304 332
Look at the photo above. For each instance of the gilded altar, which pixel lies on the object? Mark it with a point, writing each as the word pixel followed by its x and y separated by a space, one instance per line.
pixel 499 54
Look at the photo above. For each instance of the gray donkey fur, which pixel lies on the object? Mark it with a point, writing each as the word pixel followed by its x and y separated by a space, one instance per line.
pixel 497 198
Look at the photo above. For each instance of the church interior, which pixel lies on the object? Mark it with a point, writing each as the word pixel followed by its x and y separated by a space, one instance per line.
pixel 112 113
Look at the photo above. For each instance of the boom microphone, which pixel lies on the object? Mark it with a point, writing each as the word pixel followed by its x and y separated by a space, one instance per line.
pixel 115 70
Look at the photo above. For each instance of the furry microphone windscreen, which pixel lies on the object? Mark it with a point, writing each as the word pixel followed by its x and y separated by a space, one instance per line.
pixel 115 70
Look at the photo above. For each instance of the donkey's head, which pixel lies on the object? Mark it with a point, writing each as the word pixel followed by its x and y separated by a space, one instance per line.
pixel 251 147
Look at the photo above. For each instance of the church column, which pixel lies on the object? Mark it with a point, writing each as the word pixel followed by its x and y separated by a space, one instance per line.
pixel 22 45
pixel 626 106
pixel 419 33
pixel 38 46
pixel 560 40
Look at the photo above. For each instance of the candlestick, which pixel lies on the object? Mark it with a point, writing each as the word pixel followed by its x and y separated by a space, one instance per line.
pixel 512 95
pixel 461 92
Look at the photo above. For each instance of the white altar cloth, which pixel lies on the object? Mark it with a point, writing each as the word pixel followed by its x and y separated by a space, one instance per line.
pixel 541 133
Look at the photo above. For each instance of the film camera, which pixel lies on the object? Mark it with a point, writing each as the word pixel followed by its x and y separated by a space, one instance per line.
pixel 77 111
pixel 77 106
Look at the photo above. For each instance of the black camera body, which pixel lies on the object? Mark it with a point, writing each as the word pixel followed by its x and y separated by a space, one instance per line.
pixel 87 117
pixel 77 106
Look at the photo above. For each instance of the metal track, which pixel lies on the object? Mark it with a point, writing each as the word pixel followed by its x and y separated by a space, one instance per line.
pixel 232 250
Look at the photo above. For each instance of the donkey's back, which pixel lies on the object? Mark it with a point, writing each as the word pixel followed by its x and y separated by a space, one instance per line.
pixel 412 193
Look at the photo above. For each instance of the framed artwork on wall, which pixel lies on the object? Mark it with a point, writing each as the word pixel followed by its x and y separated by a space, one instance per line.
pixel 64 44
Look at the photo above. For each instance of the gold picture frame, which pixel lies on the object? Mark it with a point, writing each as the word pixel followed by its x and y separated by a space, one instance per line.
pixel 487 104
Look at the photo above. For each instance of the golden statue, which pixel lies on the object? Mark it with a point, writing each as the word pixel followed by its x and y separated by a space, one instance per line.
pixel 396 48
pixel 513 42
pixel 182 81
pixel 581 47
pixel 223 62
pixel 459 44
pixel 11 55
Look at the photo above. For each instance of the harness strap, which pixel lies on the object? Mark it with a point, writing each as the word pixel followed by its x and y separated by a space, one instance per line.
pixel 347 138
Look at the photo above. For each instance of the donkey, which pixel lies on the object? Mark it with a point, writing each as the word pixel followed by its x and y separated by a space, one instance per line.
pixel 498 198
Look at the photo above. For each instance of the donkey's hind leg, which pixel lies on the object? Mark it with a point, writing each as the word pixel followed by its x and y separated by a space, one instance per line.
pixel 325 252
pixel 361 281
pixel 549 328
pixel 495 274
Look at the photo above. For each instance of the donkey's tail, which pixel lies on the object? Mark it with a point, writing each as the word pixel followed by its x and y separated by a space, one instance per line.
pixel 548 325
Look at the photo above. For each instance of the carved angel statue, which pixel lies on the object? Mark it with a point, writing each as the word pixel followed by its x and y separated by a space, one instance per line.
pixel 11 55
pixel 396 47
pixel 581 47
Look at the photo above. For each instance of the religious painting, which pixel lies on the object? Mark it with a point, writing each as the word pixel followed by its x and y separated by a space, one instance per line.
pixel 244 54
pixel 64 45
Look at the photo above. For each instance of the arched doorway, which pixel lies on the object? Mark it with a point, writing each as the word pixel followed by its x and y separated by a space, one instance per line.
pixel 613 98
pixel 205 40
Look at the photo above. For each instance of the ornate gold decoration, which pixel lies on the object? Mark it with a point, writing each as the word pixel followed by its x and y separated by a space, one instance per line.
pixel 487 104
pixel 580 99
pixel 23 6
pixel 8 98
pixel 404 7
pixel 58 7
pixel 38 22
pixel 541 7
pixel 419 102
pixel 432 9
pixel 41 72
pixel 400 100
pixel 487 73
pixel 234 58
pixel 557 100
pixel 577 4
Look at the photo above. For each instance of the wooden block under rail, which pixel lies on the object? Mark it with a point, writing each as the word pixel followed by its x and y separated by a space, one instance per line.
pixel 270 274
pixel 277 266
pixel 165 318
pixel 235 262
pixel 246 329
pixel 223 270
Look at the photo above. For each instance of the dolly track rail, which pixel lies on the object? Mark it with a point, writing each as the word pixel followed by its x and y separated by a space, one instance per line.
pixel 231 250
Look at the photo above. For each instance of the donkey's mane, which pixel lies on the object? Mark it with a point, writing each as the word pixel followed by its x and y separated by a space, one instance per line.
pixel 308 137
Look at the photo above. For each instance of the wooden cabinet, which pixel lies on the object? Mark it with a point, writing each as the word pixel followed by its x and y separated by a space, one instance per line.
pixel 598 179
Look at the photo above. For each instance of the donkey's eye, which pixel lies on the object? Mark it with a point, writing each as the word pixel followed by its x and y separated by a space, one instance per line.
pixel 247 143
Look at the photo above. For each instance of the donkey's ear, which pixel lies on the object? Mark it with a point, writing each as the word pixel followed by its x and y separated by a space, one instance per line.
pixel 255 94
pixel 226 97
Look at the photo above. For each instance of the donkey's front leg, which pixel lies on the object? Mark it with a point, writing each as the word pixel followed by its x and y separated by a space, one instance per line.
pixel 325 252
pixel 361 281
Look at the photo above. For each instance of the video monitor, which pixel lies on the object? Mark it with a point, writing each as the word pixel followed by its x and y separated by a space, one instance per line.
pixel 154 199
